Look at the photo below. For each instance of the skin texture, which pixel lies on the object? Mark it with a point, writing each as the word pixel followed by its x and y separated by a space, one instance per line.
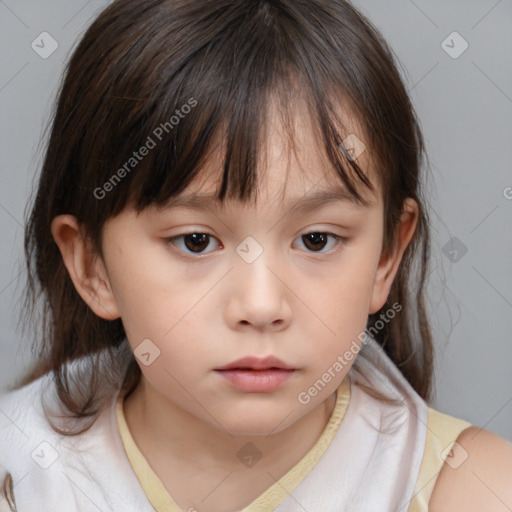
pixel 483 482
pixel 205 311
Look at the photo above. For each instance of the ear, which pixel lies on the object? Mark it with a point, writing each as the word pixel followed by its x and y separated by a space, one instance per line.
pixel 85 267
pixel 389 263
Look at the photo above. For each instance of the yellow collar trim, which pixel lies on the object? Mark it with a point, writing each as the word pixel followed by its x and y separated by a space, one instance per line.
pixel 162 501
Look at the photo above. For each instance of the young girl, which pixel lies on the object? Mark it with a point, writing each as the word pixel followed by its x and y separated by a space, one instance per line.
pixel 229 245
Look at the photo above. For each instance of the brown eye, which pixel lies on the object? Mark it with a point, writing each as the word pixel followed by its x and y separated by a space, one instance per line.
pixel 316 241
pixel 192 243
pixel 196 242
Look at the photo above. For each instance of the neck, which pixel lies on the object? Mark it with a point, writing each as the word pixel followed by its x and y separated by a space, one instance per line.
pixel 191 457
pixel 150 416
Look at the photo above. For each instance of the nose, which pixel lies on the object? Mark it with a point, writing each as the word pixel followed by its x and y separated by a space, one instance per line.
pixel 259 297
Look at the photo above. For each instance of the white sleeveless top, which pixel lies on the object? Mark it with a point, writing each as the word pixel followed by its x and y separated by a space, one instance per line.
pixel 371 457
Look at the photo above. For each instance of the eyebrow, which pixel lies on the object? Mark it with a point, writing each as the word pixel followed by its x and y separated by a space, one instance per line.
pixel 301 204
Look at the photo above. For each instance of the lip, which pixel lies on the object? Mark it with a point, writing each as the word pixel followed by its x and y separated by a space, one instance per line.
pixel 256 363
pixel 256 375
pixel 256 381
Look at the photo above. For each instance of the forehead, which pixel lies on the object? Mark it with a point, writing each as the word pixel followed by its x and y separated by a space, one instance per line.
pixel 294 171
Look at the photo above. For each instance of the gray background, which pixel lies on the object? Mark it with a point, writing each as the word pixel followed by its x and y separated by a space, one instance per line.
pixel 465 107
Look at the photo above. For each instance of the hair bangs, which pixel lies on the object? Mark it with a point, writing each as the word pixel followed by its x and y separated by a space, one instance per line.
pixel 220 97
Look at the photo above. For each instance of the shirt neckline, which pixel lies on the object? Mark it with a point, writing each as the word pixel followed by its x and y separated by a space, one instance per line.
pixel 162 501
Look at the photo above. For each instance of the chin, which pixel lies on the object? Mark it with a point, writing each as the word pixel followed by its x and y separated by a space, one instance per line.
pixel 259 422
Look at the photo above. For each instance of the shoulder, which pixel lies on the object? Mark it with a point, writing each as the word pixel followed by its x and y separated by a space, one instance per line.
pixel 22 406
pixel 21 415
pixel 478 477
pixel 39 465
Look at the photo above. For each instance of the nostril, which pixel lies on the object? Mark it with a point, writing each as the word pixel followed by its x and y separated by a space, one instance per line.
pixel 278 322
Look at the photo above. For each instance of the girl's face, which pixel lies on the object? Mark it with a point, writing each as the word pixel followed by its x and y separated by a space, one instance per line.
pixel 199 286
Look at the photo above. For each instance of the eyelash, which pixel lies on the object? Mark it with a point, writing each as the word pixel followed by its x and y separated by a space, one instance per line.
pixel 340 240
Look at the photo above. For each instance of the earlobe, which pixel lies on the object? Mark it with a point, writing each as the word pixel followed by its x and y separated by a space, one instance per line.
pixel 390 262
pixel 85 267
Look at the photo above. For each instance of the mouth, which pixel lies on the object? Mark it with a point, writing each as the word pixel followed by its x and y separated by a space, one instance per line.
pixel 256 375
pixel 256 381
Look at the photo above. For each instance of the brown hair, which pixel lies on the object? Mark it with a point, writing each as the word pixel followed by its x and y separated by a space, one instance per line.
pixel 137 65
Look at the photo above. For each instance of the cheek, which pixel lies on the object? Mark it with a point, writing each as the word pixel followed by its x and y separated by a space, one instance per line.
pixel 152 293
pixel 185 348
pixel 342 304
pixel 344 298
pixel 165 315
